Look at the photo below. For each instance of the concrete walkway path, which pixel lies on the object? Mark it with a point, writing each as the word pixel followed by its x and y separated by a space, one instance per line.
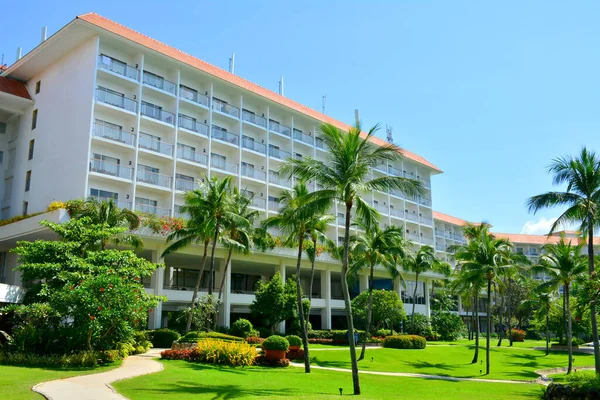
pixel 97 386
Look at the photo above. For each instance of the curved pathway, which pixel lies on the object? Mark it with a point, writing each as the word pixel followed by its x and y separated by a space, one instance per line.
pixel 97 386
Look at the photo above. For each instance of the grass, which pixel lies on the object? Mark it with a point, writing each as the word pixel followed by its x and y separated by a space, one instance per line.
pixel 16 382
pixel 183 380
pixel 562 378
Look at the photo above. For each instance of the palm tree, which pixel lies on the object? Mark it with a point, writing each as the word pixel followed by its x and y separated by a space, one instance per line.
pixel 298 207
pixel 485 258
pixel 377 247
pixel 317 228
pixel 346 174
pixel 564 263
pixel 582 197
pixel 541 301
pixel 423 261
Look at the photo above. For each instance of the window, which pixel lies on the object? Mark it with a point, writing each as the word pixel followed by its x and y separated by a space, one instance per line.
pixel 25 206
pixel 34 119
pixel 408 294
pixel 2 127
pixel 103 194
pixel 1 157
pixel 8 188
pixel 27 181
pixel 148 174
pixel 519 250
pixel 113 64
pixel 150 142
pixel 37 86
pixel 147 202
pixel 3 267
pixel 218 161
pixel 31 144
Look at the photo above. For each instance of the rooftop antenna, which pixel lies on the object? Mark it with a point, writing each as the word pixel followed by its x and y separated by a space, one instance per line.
pixel 19 53
pixel 356 118
pixel 324 104
pixel 232 63
pixel 44 33
pixel 388 131
pixel 281 85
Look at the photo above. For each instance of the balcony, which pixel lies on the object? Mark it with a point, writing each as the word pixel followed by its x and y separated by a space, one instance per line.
pixel 439 233
pixel 258 202
pixel 155 112
pixel 439 247
pixel 382 167
pixel 426 184
pixel 278 153
pixel 115 99
pixel 224 136
pixel 185 185
pixel 110 132
pixel 534 252
pixel 412 217
pixel 251 144
pixel 320 144
pixel 180 214
pixel 341 220
pixel 159 82
pixel 159 211
pixel 458 238
pixel 275 205
pixel 120 203
pixel 222 165
pixel 253 173
pixel 394 171
pixel 154 145
pixel 225 108
pixel 426 221
pixel 381 208
pixel 248 116
pixel 191 124
pixel 153 178
pixel 303 137
pixel 394 212
pixel 424 201
pixel 281 129
pixel 190 155
pixel 275 179
pixel 112 169
pixel 397 193
pixel 193 96
pixel 414 238
pixel 118 67
pixel 427 240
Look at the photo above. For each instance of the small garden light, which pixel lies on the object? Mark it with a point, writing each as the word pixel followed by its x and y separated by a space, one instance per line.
pixel 341 390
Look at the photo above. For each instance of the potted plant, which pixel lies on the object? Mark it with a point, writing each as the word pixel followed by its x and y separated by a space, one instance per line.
pixel 275 347
pixel 294 341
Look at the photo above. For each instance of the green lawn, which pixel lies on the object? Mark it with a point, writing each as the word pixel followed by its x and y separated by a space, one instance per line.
pixel 562 378
pixel 183 380
pixel 16 382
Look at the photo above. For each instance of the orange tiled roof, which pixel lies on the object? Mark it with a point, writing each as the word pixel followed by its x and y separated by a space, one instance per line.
pixel 14 87
pixel 448 218
pixel 538 239
pixel 192 61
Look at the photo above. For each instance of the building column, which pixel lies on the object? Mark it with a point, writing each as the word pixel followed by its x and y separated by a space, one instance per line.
pixel 283 277
pixel 427 303
pixel 156 285
pixel 363 283
pixel 326 295
pixel 225 314
pixel 398 287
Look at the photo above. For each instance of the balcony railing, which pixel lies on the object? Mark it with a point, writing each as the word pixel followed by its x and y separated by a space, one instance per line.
pixel 280 128
pixel 110 132
pixel 534 252
pixel 425 220
pixel 112 169
pixel 253 173
pixel 259 203
pixel 380 207
pixel 427 240
pixel 275 205
pixel 394 212
pixel 320 144
pixel 225 108
pixel 426 184
pixel 185 185
pixel 424 201
pixel 223 165
pixel 120 203
pixel 225 136
pixel 154 112
pixel 439 233
pixel 396 192
pixel 382 167
pixel 254 119
pixel 191 124
pixel 303 137
pixel 412 217
pixel 193 95
pixel 110 64
pixel 159 83
pixel 394 171
pixel 190 155
pixel 115 99
pixel 253 145
pixel 413 237
pixel 278 153
pixel 439 247
pixel 159 211
pixel 277 180
pixel 179 214
pixel 156 146
pixel 153 178
pixel 459 238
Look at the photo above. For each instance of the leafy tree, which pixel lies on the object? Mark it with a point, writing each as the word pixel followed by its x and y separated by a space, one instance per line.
pixel 582 199
pixel 444 301
pixel 272 302
pixel 345 176
pixel 448 325
pixel 386 309
pixel 203 312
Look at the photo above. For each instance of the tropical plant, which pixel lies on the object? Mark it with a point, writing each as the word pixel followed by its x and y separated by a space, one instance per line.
pixel 203 312
pixel 469 285
pixel 272 302
pixel 317 231
pixel 387 309
pixel 582 197
pixel 344 176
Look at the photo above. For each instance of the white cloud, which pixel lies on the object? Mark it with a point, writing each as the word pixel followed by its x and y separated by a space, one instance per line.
pixel 541 227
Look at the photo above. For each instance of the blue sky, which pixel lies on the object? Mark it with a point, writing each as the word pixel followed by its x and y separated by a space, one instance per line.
pixel 489 92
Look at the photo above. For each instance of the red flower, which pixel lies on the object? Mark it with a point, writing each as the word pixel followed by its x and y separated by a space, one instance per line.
pixel 99 308
pixel 92 317
pixel 150 310
pixel 101 290
pixel 110 286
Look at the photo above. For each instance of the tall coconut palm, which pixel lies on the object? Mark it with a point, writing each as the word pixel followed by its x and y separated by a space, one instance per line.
pixel 485 257
pixel 581 174
pixel 564 263
pixel 345 175
pixel 541 302
pixel 298 207
pixel 374 247
pixel 423 261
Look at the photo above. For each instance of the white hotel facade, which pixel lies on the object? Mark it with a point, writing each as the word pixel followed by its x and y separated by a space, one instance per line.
pixel 100 110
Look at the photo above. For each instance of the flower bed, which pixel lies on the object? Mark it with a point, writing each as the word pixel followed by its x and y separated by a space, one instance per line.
pixel 213 351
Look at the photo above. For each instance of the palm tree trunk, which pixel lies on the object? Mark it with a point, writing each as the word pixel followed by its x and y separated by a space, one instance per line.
pixel 509 326
pixel 569 328
pixel 188 324
pixel 300 308
pixel 501 334
pixel 469 324
pixel 221 287
pixel 565 327
pixel 312 270
pixel 593 305
pixel 476 355
pixel 369 314
pixel 547 332
pixel 347 304
pixel 414 299
pixel 489 327
pixel 212 257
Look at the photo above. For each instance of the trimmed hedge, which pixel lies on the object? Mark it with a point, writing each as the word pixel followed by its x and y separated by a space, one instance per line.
pixel 336 336
pixel 276 343
pixel 195 336
pixel 88 359
pixel 242 328
pixel 405 342
pixel 294 340
pixel 163 337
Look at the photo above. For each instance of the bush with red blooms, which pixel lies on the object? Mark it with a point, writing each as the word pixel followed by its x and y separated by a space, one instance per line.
pixel 320 341
pixel 295 354
pixel 260 359
pixel 517 335
pixel 176 355
pixel 254 340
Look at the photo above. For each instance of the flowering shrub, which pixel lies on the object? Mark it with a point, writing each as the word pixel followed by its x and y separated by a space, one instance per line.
pixel 405 342
pixel 215 352
pixel 320 341
pixel 56 205
pixel 260 359
pixel 517 335
pixel 254 340
pixel 176 355
pixel 295 354
pixel 161 225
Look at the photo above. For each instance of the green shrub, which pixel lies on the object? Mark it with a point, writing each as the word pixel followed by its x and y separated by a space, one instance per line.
pixel 383 332
pixel 263 332
pixel 276 343
pixel 578 386
pixel 294 340
pixel 79 359
pixel 194 336
pixel 163 337
pixel 447 325
pixel 422 325
pixel 242 328
pixel 405 342
pixel 337 336
pixel 109 356
pixel 125 349
pixel 213 351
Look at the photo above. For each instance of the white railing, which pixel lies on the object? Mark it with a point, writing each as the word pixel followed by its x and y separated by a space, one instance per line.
pixel 414 238
pixel 155 145
pixel 427 240
pixel 223 165
pixel 439 247
pixel 248 116
pixel 185 185
pixel 425 183
pixel 426 221
pixel 153 178
pixel 396 192
pixel 110 64
pixel 115 99
pixel 225 108
pixel 459 238
pixel 278 153
pixel 381 208
pixel 320 144
pixel 193 95
pixel 145 208
pixel 190 155
pixel 259 203
pixel 154 112
pixel 112 169
pixel 120 203
pixel 253 145
pixel 424 201
pixel 277 180
pixel 303 137
pixel 382 167
pixel 224 136
pixel 179 214
pixel 159 82
pixel 253 173
pixel 191 124
pixel 274 205
pixel 412 217
pixel 394 212
pixel 107 131
pixel 394 171
pixel 280 128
